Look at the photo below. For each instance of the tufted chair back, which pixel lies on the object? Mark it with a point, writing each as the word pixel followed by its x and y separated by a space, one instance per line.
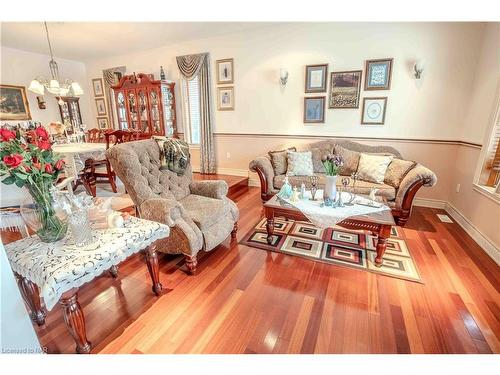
pixel 137 164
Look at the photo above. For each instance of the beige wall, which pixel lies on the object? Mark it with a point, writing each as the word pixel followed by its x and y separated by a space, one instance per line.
pixel 482 211
pixel 20 67
pixel 430 108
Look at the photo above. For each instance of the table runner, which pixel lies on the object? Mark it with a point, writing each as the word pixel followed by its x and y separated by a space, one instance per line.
pixel 324 217
pixel 58 267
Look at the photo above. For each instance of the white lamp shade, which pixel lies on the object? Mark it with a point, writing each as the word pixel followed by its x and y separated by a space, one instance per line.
pixel 77 89
pixel 36 87
pixel 63 91
pixel 54 84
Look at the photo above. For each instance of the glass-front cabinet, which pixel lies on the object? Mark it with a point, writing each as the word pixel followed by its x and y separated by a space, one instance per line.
pixel 69 109
pixel 146 105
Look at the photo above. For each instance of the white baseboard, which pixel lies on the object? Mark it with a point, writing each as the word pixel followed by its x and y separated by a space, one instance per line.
pixel 431 203
pixel 486 244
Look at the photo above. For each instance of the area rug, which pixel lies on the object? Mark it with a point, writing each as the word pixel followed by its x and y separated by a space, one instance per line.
pixel 337 246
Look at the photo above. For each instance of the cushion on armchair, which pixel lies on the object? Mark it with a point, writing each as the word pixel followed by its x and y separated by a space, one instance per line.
pixel 397 170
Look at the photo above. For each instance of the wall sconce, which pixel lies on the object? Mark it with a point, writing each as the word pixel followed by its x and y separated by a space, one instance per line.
pixel 418 69
pixel 41 102
pixel 283 76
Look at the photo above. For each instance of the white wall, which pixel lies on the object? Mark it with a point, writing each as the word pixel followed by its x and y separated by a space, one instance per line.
pixel 430 108
pixel 20 67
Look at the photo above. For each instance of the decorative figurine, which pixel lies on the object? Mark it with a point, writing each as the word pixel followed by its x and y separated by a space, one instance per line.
pixel 295 195
pixel 373 193
pixel 302 194
pixel 286 190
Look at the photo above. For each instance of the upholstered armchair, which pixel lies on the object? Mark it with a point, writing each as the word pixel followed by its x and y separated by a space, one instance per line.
pixel 199 214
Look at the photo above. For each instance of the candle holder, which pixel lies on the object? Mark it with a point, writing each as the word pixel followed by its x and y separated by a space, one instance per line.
pixel 314 186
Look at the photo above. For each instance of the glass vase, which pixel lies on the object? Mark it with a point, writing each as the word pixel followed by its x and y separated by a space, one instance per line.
pixel 330 191
pixel 39 213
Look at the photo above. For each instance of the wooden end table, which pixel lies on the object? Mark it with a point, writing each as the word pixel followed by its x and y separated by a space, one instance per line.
pixel 379 223
pixel 55 271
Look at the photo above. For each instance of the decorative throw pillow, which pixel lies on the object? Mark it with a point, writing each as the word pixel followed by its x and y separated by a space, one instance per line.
pixel 300 163
pixel 372 168
pixel 317 154
pixel 397 170
pixel 174 154
pixel 350 159
pixel 278 160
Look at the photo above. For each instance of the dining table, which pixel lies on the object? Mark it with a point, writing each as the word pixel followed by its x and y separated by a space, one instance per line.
pixel 75 154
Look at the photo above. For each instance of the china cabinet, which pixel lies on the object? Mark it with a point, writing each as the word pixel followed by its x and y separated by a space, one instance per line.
pixel 69 109
pixel 146 105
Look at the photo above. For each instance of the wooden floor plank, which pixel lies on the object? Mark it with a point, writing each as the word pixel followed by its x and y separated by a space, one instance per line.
pixel 246 300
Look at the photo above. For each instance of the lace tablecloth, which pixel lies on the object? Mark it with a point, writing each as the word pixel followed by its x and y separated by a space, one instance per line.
pixel 58 267
pixel 324 217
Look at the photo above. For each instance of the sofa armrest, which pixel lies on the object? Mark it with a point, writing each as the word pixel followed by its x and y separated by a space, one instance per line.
pixel 161 210
pixel 263 167
pixel 416 177
pixel 209 188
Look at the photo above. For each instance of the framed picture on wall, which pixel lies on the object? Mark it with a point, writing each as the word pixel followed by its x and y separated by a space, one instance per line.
pixel 374 111
pixel 344 89
pixel 225 98
pixel 100 105
pixel 316 76
pixel 314 109
pixel 378 74
pixel 225 69
pixel 98 87
pixel 14 103
pixel 102 123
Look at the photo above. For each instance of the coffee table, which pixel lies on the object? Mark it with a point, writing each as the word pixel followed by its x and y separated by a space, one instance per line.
pixel 378 223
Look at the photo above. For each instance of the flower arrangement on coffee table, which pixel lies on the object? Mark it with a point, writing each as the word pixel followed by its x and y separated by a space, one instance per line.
pixel 29 161
pixel 332 164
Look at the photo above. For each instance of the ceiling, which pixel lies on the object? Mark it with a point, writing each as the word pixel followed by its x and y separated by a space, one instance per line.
pixel 84 41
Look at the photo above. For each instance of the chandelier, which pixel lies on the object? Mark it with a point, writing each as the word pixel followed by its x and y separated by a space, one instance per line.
pixel 54 86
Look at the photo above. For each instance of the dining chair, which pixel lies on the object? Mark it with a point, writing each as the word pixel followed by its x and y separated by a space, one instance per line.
pixel 95 136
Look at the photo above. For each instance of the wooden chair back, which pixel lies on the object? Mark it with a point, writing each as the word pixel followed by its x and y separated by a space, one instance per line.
pixel 119 136
pixel 95 136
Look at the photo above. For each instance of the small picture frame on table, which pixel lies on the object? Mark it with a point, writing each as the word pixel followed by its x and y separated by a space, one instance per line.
pixel 316 77
pixel 374 111
pixel 378 74
pixel 314 109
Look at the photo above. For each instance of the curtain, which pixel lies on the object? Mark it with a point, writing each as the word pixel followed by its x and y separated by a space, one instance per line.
pixel 191 66
pixel 111 77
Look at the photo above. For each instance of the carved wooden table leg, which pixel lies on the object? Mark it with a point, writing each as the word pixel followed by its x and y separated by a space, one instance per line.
pixel 75 320
pixel 153 268
pixel 31 296
pixel 114 271
pixel 269 225
pixel 233 232
pixel 383 235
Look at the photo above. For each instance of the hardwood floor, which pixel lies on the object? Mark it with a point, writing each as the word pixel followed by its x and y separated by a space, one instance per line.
pixel 245 300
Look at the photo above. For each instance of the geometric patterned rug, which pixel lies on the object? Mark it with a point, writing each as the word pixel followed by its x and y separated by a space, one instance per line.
pixel 337 246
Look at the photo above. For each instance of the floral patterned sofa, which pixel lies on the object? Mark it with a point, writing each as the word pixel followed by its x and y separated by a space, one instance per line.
pixel 402 180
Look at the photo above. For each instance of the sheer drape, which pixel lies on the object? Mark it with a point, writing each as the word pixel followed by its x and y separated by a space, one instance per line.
pixel 191 66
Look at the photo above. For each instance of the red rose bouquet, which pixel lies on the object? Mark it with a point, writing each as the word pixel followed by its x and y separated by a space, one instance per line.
pixel 35 166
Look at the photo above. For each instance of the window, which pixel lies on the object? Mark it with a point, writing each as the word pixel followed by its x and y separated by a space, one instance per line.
pixel 489 176
pixel 191 105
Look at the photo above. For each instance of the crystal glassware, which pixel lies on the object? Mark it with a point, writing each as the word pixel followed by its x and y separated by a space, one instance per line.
pixel 80 227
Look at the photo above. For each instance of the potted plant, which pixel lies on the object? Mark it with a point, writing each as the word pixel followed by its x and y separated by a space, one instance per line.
pixel 332 164
pixel 29 161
